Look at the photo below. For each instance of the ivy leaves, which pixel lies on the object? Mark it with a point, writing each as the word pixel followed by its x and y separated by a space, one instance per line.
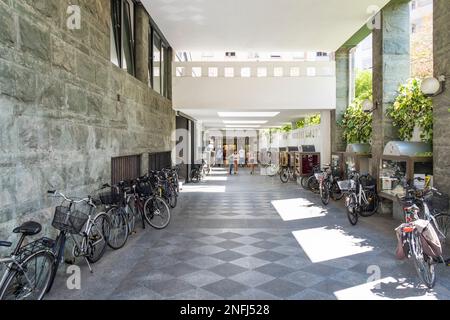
pixel 356 123
pixel 412 108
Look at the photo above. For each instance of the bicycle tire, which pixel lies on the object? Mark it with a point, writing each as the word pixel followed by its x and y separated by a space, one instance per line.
pixel 103 224
pixel 157 205
pixel 336 193
pixel 59 250
pixel 313 184
pixel 304 182
pixel 352 211
pixel 284 175
pixel 131 218
pixel 325 194
pixel 376 202
pixel 424 268
pixel 118 223
pixel 9 284
pixel 272 170
pixel 443 223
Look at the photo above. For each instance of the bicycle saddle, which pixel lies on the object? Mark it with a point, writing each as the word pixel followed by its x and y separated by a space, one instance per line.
pixel 29 228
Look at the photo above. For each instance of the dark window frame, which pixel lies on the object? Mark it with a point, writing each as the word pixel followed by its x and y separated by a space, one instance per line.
pixel 164 57
pixel 121 25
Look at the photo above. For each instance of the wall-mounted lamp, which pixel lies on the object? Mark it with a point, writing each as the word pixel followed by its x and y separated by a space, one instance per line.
pixel 432 87
pixel 368 106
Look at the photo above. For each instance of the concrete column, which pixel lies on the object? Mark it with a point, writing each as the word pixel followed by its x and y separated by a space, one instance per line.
pixel 391 67
pixel 441 106
pixel 141 33
pixel 325 137
pixel 342 98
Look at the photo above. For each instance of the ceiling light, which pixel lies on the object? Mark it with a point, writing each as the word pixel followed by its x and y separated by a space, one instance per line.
pixel 243 126
pixel 245 122
pixel 247 114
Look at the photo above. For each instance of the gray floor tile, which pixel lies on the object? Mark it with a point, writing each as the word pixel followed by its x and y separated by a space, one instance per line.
pixel 281 288
pixel 225 288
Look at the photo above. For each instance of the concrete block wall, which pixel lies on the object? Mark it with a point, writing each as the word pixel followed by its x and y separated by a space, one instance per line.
pixel 65 109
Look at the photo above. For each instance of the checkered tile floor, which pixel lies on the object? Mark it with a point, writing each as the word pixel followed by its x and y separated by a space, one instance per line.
pixel 235 245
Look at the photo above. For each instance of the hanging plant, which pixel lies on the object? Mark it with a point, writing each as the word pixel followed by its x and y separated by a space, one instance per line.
pixel 410 109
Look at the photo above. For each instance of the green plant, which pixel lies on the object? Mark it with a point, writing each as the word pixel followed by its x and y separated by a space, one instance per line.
pixel 411 108
pixel 357 124
pixel 308 121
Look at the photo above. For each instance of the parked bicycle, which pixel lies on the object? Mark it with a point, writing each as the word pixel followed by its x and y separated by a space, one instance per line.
pixel 361 198
pixel 421 218
pixel 328 186
pixel 29 268
pixel 286 174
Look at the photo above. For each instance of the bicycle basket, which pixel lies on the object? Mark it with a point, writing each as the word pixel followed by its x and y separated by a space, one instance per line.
pixel 144 189
pixel 347 185
pixel 110 197
pixel 69 220
pixel 367 181
pixel 437 202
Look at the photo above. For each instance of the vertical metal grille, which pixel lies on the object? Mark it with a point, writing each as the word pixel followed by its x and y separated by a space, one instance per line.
pixel 125 168
pixel 158 161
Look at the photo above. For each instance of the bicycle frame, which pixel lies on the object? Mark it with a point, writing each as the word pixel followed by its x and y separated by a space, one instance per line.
pixel 10 263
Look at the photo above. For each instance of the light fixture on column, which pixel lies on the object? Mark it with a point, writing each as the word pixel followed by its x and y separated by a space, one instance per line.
pixel 432 87
pixel 368 106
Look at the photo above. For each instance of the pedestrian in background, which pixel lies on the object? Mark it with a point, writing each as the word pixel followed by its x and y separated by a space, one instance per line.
pixel 236 162
pixel 230 162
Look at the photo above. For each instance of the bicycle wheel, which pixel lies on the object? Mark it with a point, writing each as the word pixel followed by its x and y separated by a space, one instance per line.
pixel 157 212
pixel 272 170
pixel 325 193
pixel 422 263
pixel 335 192
pixel 131 217
pixel 172 197
pixel 58 250
pixel 98 237
pixel 32 281
pixel 284 175
pixel 195 176
pixel 304 182
pixel 118 233
pixel 313 184
pixel 443 223
pixel 370 208
pixel 352 209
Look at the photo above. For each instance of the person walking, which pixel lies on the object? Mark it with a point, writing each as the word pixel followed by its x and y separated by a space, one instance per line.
pixel 236 162
pixel 230 163
pixel 251 160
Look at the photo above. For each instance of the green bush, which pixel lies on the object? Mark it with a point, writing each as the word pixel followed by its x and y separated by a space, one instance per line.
pixel 309 121
pixel 412 108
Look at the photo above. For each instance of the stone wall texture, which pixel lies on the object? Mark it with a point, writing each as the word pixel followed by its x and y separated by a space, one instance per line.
pixel 65 110
pixel 441 103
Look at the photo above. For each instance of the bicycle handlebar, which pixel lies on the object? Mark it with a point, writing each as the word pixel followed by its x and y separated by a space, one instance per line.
pixel 58 194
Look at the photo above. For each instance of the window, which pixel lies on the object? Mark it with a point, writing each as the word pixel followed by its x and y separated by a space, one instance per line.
pixel 160 61
pixel 262 72
pixel 245 72
pixel 196 72
pixel 229 72
pixel 180 71
pixel 278 72
pixel 295 72
pixel 311 71
pixel 122 34
pixel 213 72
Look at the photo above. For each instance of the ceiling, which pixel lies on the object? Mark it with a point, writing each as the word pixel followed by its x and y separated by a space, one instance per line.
pixel 210 118
pixel 259 25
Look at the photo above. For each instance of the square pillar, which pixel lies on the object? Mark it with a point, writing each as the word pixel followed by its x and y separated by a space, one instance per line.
pixel 441 105
pixel 342 57
pixel 391 67
pixel 141 33
pixel 325 137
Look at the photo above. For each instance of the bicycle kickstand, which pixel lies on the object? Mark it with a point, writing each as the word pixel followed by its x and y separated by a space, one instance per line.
pixel 89 265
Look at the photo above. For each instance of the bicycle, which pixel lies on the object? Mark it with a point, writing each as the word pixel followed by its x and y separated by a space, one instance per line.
pixel 305 178
pixel 416 205
pixel 29 268
pixel 361 198
pixel 286 174
pixel 69 221
pixel 115 202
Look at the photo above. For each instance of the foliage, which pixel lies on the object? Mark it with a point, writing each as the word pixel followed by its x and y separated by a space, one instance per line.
pixel 357 124
pixel 412 108
pixel 286 128
pixel 308 121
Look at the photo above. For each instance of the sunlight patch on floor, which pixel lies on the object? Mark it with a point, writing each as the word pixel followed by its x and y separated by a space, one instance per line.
pixel 296 209
pixel 209 178
pixel 387 288
pixel 206 189
pixel 323 244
